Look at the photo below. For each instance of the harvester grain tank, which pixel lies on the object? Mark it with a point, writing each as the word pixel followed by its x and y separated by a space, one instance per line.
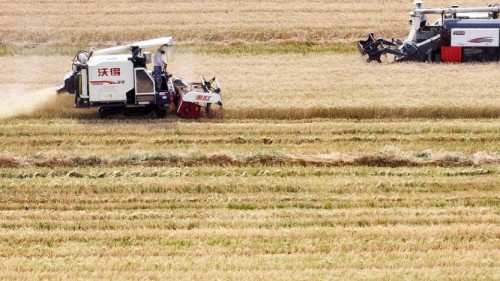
pixel 460 34
pixel 117 80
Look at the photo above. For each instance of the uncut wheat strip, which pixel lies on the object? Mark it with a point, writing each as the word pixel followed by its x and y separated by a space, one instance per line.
pixel 232 223
pixel 267 142
pixel 435 273
pixel 212 128
pixel 246 205
pixel 380 232
pixel 237 268
pixel 341 259
pixel 254 216
pixel 339 20
pixel 237 248
pixel 328 81
pixel 294 143
pixel 256 180
pixel 266 201
pixel 243 247
pixel 477 214
pixel 243 14
pixel 338 260
pixel 395 202
pixel 139 146
pixel 447 185
pixel 287 274
pixel 236 180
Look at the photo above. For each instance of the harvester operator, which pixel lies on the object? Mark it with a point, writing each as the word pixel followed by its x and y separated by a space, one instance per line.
pixel 423 17
pixel 159 66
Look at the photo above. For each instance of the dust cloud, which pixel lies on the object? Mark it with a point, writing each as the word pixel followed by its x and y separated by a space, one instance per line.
pixel 17 99
pixel 187 70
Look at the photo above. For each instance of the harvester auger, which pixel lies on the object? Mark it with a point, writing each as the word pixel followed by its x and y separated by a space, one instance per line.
pixel 459 35
pixel 121 83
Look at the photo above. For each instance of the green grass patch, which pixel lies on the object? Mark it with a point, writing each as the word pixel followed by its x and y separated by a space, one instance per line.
pixel 6 51
pixel 209 48
pixel 268 48
pixel 242 206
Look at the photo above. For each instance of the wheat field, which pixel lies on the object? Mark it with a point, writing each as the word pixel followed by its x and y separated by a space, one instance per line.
pixel 59 22
pixel 249 199
pixel 320 166
pixel 293 86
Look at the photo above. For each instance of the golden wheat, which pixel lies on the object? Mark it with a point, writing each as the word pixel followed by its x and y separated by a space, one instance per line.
pixel 91 22
pixel 410 194
pixel 305 86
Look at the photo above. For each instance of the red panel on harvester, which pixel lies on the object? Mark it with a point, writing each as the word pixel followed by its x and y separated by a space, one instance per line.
pixel 188 110
pixel 451 54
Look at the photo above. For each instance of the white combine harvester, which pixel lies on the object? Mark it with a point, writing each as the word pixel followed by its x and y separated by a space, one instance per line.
pixel 461 34
pixel 116 82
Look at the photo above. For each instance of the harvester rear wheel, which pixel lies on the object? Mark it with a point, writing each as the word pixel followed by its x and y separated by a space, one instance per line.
pixel 111 112
pixel 103 112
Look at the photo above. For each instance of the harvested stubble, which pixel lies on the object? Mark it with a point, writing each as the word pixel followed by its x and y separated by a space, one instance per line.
pixel 83 198
pixel 135 210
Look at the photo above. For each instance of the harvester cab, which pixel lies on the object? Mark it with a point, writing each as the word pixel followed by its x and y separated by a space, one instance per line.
pixel 459 35
pixel 116 82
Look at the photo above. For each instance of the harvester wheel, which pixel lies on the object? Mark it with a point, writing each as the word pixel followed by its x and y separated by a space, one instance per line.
pixel 103 112
pixel 111 112
pixel 161 113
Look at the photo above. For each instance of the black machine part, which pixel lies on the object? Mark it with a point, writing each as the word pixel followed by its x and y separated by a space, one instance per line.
pixel 375 48
pixel 402 51
pixel 69 83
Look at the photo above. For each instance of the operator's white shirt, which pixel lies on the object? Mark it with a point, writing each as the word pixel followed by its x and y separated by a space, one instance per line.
pixel 424 16
pixel 159 59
